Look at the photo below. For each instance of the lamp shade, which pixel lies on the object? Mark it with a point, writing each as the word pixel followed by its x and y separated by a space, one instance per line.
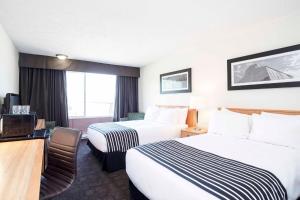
pixel 197 102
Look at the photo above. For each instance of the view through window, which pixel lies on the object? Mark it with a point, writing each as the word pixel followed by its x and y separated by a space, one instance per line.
pixel 90 95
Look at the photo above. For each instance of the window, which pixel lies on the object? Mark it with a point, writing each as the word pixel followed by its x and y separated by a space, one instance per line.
pixel 90 95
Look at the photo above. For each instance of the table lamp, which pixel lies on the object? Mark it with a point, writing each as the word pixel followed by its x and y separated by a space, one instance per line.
pixel 198 103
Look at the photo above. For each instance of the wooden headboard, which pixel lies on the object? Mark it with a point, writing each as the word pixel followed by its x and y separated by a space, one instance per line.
pixel 191 119
pixel 250 111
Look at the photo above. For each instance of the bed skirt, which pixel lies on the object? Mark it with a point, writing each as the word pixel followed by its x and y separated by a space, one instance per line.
pixel 111 161
pixel 135 194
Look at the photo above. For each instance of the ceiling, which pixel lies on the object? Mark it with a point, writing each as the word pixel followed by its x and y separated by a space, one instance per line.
pixel 126 32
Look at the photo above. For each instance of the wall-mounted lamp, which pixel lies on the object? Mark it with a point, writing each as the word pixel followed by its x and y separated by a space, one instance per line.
pixel 61 56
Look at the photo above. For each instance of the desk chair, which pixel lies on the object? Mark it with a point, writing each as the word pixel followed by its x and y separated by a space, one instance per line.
pixel 133 116
pixel 62 162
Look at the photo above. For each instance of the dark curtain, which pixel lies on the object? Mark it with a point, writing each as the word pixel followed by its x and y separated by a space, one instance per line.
pixel 126 96
pixel 45 91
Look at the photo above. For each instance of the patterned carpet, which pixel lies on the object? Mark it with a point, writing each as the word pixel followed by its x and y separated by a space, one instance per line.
pixel 94 184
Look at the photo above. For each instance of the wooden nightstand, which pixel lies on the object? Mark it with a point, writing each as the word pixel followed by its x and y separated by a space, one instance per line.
pixel 192 131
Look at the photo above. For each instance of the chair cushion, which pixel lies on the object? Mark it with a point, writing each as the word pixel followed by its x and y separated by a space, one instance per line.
pixel 52 186
pixel 136 116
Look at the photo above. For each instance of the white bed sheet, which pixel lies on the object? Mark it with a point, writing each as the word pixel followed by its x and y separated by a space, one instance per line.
pixel 157 182
pixel 148 132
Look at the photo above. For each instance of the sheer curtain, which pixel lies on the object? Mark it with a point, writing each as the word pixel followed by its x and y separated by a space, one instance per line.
pixel 126 96
pixel 45 91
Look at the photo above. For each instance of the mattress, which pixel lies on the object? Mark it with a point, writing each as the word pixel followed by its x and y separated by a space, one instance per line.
pixel 161 183
pixel 148 132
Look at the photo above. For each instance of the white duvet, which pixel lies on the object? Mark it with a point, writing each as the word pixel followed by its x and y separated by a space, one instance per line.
pixel 157 182
pixel 148 132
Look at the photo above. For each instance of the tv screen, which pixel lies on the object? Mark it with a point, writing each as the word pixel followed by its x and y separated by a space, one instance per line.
pixel 9 101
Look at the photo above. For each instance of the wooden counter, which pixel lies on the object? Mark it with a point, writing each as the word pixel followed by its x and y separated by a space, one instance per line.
pixel 20 169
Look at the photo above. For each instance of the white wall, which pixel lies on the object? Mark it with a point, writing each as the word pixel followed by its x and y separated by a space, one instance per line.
pixel 207 58
pixel 9 71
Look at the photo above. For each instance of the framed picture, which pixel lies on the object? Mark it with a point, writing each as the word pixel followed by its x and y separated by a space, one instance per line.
pixel 271 69
pixel 176 82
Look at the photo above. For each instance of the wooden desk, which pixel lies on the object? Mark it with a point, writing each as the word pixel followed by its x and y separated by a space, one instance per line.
pixel 20 169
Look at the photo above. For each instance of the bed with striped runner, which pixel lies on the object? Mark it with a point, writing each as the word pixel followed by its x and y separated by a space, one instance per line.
pixel 223 178
pixel 118 138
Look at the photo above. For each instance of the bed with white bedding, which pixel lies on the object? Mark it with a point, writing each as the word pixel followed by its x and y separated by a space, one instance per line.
pixel 161 182
pixel 110 141
pixel 148 132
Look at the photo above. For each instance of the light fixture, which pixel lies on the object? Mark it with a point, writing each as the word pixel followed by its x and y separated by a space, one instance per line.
pixel 197 103
pixel 61 56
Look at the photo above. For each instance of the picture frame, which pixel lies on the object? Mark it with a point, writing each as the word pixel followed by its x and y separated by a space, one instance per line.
pixel 277 68
pixel 176 82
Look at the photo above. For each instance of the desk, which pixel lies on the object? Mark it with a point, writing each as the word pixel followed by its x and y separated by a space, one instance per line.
pixel 20 169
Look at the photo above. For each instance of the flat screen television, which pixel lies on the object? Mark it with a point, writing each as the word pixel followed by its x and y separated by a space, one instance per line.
pixel 9 101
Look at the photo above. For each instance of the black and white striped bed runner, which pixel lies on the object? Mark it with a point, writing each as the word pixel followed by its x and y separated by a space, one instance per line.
pixel 224 178
pixel 118 138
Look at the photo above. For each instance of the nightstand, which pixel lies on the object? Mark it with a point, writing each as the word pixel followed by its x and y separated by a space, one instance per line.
pixel 192 131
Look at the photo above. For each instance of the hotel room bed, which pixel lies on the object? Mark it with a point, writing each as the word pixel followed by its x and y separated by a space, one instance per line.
pixel 147 131
pixel 160 182
pixel 110 141
pixel 221 166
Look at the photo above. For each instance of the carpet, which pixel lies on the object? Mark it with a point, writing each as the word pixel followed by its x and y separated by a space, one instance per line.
pixel 94 184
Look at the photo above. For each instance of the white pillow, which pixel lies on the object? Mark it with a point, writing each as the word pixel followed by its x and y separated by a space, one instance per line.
pixel 284 131
pixel 230 124
pixel 169 116
pixel 152 113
